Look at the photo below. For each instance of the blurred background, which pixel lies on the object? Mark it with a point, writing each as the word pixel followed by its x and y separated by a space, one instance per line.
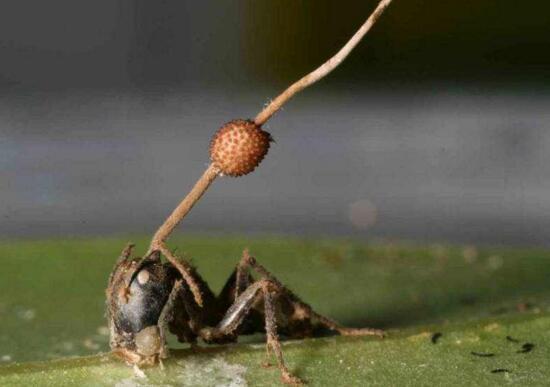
pixel 435 129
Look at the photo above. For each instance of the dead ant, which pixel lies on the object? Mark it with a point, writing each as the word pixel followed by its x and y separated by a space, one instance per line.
pixel 159 298
pixel 145 296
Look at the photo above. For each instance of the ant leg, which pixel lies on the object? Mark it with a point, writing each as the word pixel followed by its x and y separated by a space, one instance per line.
pixel 124 256
pixel 118 273
pixel 183 318
pixel 241 278
pixel 236 314
pixel 236 284
pixel 302 310
pixel 187 317
pixel 273 338
pixel 187 272
pixel 165 317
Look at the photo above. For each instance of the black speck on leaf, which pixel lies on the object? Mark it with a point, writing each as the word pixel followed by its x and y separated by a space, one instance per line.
pixel 436 336
pixel 482 354
pixel 511 339
pixel 527 347
pixel 500 370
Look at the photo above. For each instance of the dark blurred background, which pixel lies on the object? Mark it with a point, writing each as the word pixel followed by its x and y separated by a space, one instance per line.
pixel 435 129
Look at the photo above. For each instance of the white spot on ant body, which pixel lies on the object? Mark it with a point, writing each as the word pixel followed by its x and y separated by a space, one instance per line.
pixel 143 277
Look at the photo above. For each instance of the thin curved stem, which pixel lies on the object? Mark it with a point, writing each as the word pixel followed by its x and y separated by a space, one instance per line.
pixel 324 69
pixel 184 207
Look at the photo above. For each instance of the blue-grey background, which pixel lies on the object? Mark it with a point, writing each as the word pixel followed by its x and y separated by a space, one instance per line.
pixel 435 129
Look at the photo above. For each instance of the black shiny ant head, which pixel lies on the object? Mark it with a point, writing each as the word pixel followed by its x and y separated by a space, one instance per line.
pixel 137 294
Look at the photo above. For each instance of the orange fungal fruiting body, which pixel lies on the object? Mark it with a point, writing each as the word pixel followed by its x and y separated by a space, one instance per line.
pixel 238 147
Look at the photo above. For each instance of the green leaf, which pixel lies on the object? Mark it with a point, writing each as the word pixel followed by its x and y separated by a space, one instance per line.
pixel 52 305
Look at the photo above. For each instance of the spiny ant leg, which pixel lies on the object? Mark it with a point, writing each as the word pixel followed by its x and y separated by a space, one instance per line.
pixel 186 317
pixel 234 316
pixel 237 313
pixel 303 310
pixel 233 288
pixel 187 272
pixel 243 278
pixel 273 338
pixel 236 284
pixel 167 317
pixel 124 256
pixel 347 331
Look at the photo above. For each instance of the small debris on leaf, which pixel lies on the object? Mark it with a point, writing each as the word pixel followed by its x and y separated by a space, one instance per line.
pixel 435 337
pixel 482 354
pixel 511 339
pixel 500 370
pixel 527 347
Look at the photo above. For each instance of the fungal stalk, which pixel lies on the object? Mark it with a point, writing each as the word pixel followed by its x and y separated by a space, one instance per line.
pixel 239 146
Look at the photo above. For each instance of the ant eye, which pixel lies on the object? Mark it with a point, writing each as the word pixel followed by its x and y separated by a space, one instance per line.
pixel 143 277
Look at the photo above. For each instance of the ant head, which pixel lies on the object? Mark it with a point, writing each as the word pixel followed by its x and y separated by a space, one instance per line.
pixel 136 296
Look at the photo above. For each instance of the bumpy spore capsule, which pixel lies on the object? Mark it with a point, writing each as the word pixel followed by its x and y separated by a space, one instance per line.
pixel 238 147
